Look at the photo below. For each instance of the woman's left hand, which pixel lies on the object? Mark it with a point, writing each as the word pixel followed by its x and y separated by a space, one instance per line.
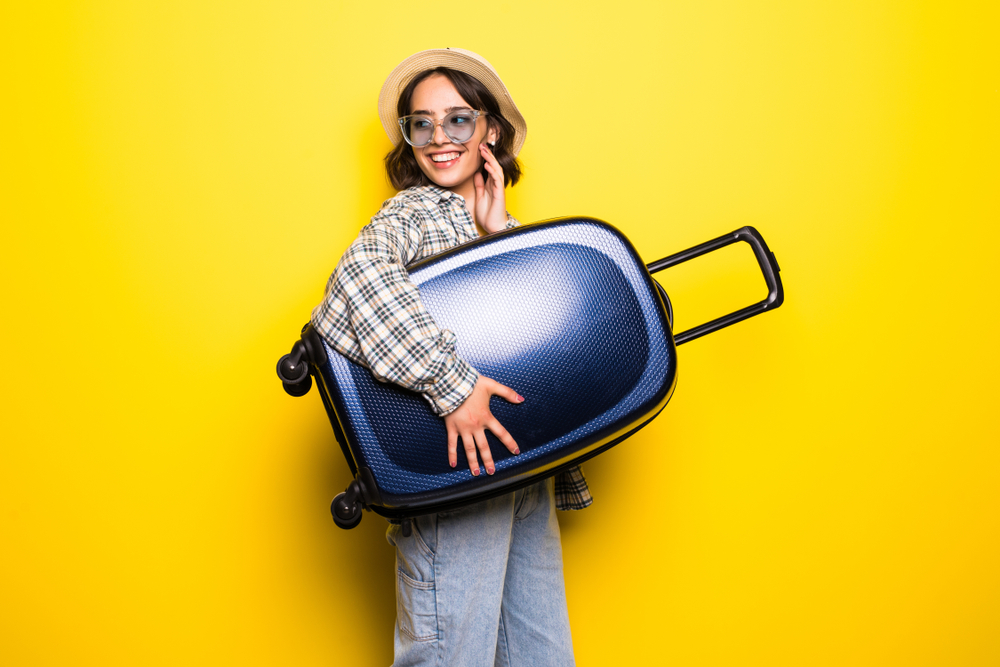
pixel 491 204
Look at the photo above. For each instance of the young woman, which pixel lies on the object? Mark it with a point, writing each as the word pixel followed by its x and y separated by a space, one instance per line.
pixel 481 585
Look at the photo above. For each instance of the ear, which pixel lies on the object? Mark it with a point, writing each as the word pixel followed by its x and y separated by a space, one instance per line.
pixel 492 135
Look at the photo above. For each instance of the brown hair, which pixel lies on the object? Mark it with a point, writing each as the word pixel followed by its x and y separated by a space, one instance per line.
pixel 402 167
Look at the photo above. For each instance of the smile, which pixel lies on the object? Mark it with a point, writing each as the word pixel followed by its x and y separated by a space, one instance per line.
pixel 444 157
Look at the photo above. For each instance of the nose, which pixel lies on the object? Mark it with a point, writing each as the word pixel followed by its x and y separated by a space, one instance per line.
pixel 440 138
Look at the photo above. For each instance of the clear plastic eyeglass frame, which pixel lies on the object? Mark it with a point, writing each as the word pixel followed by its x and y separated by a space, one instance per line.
pixel 444 127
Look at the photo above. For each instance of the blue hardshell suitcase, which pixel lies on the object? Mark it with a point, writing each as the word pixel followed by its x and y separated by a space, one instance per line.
pixel 564 312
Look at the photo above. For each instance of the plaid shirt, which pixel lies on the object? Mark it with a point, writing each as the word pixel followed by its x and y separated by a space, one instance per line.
pixel 373 315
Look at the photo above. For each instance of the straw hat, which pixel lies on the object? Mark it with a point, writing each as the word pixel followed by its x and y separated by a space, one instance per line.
pixel 458 59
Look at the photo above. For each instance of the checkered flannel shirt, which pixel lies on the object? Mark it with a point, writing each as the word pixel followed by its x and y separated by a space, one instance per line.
pixel 373 315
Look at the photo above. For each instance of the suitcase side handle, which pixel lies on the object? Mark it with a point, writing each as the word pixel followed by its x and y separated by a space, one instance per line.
pixel 768 266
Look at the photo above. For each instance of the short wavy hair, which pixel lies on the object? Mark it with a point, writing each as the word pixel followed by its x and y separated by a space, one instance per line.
pixel 400 164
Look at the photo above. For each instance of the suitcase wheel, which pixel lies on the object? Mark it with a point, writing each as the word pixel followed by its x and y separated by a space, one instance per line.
pixel 293 370
pixel 346 511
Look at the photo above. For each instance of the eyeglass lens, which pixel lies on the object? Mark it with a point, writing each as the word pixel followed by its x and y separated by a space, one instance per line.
pixel 459 126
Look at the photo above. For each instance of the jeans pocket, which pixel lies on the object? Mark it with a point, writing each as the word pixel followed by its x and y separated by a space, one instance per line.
pixel 425 526
pixel 416 608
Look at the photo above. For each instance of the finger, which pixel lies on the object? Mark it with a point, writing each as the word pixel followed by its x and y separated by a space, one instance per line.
pixel 452 446
pixel 493 165
pixel 469 442
pixel 484 451
pixel 505 392
pixel 483 193
pixel 493 168
pixel 490 157
pixel 492 171
pixel 494 186
pixel 497 429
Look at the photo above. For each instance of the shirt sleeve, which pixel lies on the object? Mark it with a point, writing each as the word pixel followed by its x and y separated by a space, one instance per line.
pixel 399 340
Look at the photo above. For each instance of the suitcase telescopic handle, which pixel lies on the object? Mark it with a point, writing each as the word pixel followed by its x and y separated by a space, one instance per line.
pixel 768 266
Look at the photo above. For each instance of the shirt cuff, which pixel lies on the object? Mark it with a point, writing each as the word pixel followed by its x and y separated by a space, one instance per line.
pixel 451 390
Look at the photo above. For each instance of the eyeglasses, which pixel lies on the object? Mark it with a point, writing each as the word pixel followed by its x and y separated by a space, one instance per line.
pixel 459 126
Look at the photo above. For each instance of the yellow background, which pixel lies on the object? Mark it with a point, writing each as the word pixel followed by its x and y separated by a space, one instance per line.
pixel 179 178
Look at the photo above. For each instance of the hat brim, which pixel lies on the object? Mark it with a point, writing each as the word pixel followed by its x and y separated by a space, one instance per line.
pixel 457 59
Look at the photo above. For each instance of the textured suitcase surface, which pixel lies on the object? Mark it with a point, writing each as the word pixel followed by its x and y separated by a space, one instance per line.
pixel 565 313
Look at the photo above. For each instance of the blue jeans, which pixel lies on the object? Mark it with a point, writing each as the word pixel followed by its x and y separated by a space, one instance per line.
pixel 483 585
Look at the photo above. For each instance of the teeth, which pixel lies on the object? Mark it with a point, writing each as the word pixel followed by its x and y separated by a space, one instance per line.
pixel 444 157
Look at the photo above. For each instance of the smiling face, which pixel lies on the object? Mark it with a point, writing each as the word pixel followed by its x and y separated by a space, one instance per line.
pixel 449 165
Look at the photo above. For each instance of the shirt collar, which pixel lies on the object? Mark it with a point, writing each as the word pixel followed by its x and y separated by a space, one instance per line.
pixel 436 193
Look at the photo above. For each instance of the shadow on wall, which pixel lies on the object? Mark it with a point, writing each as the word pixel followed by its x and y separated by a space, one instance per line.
pixel 353 569
pixel 374 187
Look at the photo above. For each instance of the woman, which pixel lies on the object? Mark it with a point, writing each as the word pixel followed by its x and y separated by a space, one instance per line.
pixel 481 585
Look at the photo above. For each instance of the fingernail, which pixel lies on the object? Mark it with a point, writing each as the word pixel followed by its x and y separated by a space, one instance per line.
pixel 452 465
pixel 517 450
pixel 520 398
pixel 475 473
pixel 489 471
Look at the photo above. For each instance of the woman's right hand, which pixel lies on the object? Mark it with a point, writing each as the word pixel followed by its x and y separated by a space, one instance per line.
pixel 471 419
pixel 491 207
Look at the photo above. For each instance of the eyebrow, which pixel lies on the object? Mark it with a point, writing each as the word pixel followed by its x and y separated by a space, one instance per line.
pixel 425 112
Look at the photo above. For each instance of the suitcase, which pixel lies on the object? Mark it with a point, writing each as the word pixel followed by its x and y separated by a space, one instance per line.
pixel 563 311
